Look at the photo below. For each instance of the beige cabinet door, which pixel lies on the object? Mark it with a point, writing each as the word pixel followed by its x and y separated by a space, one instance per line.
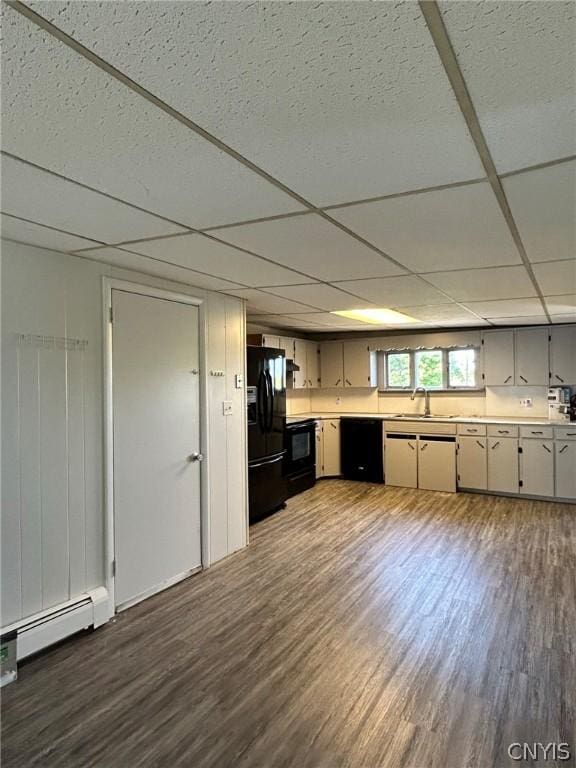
pixel 270 341
pixel 498 354
pixel 313 364
pixel 472 463
pixel 331 447
pixel 300 377
pixel 532 359
pixel 358 365
pixel 401 460
pixel 319 450
pixel 563 355
pixel 566 469
pixel 537 467
pixel 287 345
pixel 331 364
pixel 437 464
pixel 503 465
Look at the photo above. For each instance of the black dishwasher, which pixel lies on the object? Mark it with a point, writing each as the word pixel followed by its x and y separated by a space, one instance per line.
pixel 361 449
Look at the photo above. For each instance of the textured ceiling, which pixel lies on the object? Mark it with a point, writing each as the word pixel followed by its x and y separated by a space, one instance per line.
pixel 318 147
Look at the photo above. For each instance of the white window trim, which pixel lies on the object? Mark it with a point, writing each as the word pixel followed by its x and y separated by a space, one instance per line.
pixel 382 358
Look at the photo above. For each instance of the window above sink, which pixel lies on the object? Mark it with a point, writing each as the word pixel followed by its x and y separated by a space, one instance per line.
pixel 436 370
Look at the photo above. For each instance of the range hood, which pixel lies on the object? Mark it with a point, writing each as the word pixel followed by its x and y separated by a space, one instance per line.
pixel 291 366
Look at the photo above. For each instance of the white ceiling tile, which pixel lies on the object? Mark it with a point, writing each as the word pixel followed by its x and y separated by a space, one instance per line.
pixel 321 296
pixel 127 260
pixel 543 203
pixel 279 321
pixel 556 277
pixel 442 314
pixel 561 305
pixel 83 123
pixel 210 256
pixel 508 308
pixel 535 320
pixel 339 100
pixel 332 321
pixel 485 284
pixel 518 62
pixel 395 291
pixel 433 231
pixel 564 318
pixel 260 302
pixel 312 245
pixel 46 199
pixel 43 237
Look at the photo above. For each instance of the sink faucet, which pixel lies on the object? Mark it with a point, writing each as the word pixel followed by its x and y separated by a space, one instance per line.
pixel 426 398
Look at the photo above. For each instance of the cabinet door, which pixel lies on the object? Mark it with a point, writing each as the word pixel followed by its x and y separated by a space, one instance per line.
pixel 312 364
pixel 472 463
pixel 437 464
pixel 357 365
pixel 532 361
pixel 319 450
pixel 498 349
pixel 270 341
pixel 503 465
pixel 300 378
pixel 331 429
pixel 287 345
pixel 566 469
pixel 537 467
pixel 563 355
pixel 331 364
pixel 401 460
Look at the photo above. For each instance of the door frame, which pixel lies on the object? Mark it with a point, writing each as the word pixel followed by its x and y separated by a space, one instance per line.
pixel 109 285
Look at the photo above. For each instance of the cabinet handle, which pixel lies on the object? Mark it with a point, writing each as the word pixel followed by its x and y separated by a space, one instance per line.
pixel 479 443
pixel 496 444
pixel 471 430
pixel 424 447
pixel 533 432
pixel 563 449
pixel 559 378
pixel 338 382
pixel 523 379
pixel 507 380
pixel 333 425
pixel 411 446
pixel 503 431
pixel 546 448
pixel 349 383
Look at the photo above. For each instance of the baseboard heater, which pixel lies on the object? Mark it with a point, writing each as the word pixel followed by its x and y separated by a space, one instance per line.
pixel 36 632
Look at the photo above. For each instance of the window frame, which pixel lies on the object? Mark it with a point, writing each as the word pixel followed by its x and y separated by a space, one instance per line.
pixel 410 369
pixel 383 386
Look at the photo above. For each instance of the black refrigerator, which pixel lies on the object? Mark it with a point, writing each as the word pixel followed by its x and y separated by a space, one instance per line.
pixel 266 403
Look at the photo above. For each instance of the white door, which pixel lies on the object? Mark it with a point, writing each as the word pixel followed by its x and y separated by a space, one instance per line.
pixel 537 467
pixel 319 450
pixel 401 461
pixel 357 368
pixel 312 364
pixel 472 463
pixel 437 464
pixel 156 414
pixel 563 355
pixel 331 364
pixel 300 377
pixel 503 464
pixel 566 469
pixel 331 447
pixel 498 358
pixel 532 360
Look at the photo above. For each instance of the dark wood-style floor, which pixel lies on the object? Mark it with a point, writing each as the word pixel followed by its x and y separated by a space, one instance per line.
pixel 364 626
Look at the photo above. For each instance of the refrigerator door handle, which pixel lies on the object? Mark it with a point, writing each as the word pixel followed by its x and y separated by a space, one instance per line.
pixel 262 397
pixel 270 400
pixel 271 460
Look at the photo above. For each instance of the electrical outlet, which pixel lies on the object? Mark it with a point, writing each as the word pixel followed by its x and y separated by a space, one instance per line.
pixel 526 402
pixel 338 401
pixel 227 407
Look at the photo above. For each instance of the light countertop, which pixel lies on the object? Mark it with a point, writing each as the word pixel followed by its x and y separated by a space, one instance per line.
pixel 522 420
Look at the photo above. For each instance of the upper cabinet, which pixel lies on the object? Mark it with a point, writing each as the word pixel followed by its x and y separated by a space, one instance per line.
pixel 563 355
pixel 359 365
pixel 313 364
pixel 516 358
pixel 332 364
pixel 300 377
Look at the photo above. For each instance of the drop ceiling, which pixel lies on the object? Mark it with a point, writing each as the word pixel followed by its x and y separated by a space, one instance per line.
pixel 307 157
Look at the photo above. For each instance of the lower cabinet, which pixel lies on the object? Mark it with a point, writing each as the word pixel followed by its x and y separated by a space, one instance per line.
pixel 331 447
pixel 537 467
pixel 472 463
pixel 319 450
pixel 566 469
pixel 401 460
pixel 503 465
pixel 437 463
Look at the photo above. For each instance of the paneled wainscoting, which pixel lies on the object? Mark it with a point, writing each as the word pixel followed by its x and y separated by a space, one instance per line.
pixel 364 626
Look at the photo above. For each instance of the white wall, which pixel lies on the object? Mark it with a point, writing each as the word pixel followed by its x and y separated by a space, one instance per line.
pixel 52 427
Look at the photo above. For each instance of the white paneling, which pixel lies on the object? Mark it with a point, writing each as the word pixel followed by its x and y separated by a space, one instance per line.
pixel 48 199
pixel 395 291
pixel 214 258
pixel 76 462
pixel 321 296
pixel 556 277
pixel 266 303
pixel 365 105
pixel 34 234
pixel 442 314
pixel 433 231
pixel 513 308
pixel 518 63
pixel 561 305
pixel 157 267
pixel 543 204
pixel 481 284
pixel 129 148
pixel 311 245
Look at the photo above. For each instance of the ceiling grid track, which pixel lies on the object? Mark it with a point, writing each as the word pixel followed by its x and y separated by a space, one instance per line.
pixel 441 39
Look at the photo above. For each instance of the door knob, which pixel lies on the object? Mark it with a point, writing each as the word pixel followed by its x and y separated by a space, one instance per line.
pixel 196 457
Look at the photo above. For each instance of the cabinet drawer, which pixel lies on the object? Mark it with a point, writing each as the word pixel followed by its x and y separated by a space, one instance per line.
pixel 472 429
pixel 565 433
pixel 503 430
pixel 543 433
pixel 422 427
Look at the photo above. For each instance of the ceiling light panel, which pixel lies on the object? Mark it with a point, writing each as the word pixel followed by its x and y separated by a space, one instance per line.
pixel 365 106
pixel 376 316
pixel 543 204
pixel 395 291
pixel 518 63
pixel 434 231
pixel 215 258
pixel 484 284
pixel 310 244
pixel 63 112
pixel 34 234
pixel 50 200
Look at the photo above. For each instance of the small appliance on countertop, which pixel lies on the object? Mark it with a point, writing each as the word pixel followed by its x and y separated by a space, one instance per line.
pixel 560 404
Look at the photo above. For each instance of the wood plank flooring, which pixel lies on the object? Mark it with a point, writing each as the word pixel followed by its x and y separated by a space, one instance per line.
pixel 364 626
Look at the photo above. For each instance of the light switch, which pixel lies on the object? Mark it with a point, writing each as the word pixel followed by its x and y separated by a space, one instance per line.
pixel 227 407
pixel 239 381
